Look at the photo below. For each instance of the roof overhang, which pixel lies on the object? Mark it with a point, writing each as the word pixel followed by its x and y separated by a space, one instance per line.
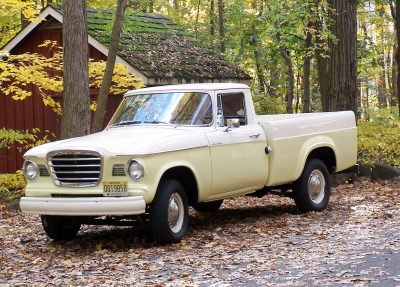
pixel 177 81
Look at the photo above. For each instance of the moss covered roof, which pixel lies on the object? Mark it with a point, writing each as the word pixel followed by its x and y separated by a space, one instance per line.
pixel 159 48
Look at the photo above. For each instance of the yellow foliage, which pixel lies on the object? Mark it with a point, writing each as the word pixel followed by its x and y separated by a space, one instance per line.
pixel 17 71
pixel 10 16
pixel 12 186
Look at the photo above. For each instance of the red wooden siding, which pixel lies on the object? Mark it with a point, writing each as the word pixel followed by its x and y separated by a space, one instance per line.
pixel 31 112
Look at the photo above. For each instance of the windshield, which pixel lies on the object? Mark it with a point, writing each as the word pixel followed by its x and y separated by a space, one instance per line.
pixel 164 108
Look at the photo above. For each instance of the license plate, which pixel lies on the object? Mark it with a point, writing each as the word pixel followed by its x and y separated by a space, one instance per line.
pixel 115 188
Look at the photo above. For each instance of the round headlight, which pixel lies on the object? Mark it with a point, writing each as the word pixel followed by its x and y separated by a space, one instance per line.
pixel 135 169
pixel 31 170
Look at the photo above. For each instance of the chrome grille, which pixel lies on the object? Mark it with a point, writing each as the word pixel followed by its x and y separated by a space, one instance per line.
pixel 75 168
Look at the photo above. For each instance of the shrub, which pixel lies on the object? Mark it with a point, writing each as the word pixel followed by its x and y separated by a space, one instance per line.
pixel 12 186
pixel 378 137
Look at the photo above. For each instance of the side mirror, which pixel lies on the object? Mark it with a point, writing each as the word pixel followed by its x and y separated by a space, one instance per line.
pixel 233 122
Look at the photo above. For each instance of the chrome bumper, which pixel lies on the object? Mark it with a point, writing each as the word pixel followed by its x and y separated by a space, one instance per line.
pixel 83 206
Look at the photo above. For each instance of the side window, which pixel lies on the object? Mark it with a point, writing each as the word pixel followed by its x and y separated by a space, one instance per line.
pixel 231 106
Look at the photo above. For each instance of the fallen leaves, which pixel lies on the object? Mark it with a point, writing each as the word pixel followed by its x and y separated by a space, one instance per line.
pixel 252 241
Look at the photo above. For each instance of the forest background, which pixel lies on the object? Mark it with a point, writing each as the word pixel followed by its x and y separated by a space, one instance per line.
pixel 285 46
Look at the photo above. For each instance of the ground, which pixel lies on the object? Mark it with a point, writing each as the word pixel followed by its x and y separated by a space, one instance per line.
pixel 248 242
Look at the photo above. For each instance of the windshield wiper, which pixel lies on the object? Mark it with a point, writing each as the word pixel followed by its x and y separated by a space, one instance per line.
pixel 154 122
pixel 128 123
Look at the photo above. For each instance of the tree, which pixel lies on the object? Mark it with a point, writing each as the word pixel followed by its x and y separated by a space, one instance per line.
pixel 76 97
pixel 221 25
pixel 288 59
pixel 112 54
pixel 342 68
pixel 397 21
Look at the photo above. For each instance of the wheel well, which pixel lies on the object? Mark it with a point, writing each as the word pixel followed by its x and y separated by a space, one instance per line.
pixel 327 155
pixel 185 176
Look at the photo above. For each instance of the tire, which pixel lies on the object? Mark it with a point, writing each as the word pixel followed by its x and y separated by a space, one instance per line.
pixel 312 190
pixel 60 227
pixel 169 212
pixel 211 206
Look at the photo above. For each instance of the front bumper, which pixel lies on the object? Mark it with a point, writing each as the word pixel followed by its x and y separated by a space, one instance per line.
pixel 83 206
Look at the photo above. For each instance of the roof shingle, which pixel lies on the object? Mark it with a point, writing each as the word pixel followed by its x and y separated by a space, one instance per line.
pixel 159 48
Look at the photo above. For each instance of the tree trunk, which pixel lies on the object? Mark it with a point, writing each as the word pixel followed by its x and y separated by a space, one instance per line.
pixel 394 90
pixel 396 56
pixel 112 55
pixel 342 70
pixel 24 22
pixel 76 98
pixel 382 95
pixel 306 79
pixel 197 18
pixel 212 25
pixel 151 6
pixel 397 25
pixel 289 96
pixel 298 92
pixel 259 71
pixel 221 25
pixel 382 88
pixel 322 68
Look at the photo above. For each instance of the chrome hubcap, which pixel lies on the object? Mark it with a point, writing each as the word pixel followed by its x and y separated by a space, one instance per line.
pixel 316 186
pixel 175 212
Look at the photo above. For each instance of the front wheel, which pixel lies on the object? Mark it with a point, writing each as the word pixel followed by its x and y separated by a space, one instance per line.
pixel 60 227
pixel 169 212
pixel 312 190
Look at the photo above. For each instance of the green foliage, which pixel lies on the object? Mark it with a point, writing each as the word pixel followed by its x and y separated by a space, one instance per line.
pixel 12 186
pixel 266 105
pixel 378 137
pixel 26 138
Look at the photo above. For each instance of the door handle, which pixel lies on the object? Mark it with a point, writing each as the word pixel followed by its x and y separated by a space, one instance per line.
pixel 255 136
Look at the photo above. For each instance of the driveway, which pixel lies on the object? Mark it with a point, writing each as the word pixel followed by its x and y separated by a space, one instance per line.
pixel 248 242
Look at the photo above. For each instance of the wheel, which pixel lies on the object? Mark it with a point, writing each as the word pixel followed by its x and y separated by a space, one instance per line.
pixel 312 190
pixel 169 212
pixel 60 227
pixel 208 206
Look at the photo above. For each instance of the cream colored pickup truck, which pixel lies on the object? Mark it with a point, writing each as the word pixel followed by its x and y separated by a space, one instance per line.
pixel 171 147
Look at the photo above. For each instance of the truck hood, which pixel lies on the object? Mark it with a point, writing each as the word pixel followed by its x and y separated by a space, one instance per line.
pixel 128 140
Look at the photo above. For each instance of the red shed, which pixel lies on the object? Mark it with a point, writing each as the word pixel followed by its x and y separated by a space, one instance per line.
pixel 155 49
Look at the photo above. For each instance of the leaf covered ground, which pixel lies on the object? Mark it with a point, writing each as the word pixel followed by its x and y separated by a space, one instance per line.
pixel 248 242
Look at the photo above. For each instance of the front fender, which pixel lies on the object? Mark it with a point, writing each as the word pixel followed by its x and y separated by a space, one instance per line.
pixel 198 161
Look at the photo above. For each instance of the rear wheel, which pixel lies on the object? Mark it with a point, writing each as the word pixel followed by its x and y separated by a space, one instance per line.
pixel 61 227
pixel 169 212
pixel 312 190
pixel 208 206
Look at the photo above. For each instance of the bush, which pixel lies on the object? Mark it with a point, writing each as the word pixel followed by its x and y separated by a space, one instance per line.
pixel 378 137
pixel 266 105
pixel 12 186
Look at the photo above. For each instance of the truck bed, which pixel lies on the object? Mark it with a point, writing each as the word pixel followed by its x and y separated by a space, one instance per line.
pixel 293 136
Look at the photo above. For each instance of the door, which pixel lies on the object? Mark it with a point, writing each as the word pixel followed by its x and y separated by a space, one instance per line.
pixel 236 152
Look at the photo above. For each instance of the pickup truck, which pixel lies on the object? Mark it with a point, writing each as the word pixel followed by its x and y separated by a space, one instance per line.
pixel 167 148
